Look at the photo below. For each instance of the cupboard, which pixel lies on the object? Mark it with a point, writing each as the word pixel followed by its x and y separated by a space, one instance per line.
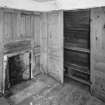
pixel 77 45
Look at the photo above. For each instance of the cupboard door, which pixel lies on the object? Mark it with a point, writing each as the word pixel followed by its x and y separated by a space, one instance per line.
pixel 55 45
pixel 98 52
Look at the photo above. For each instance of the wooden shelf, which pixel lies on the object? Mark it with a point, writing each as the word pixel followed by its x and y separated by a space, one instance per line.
pixel 79 79
pixel 77 29
pixel 77 49
pixel 78 68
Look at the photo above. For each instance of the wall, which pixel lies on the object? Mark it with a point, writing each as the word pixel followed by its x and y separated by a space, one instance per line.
pixel 98 52
pixel 16 27
pixel 45 33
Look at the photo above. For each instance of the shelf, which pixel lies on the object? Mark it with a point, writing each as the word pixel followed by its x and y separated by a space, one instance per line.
pixel 77 29
pixel 77 49
pixel 78 79
pixel 77 68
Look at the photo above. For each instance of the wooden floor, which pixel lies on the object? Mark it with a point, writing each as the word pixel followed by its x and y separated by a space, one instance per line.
pixel 50 92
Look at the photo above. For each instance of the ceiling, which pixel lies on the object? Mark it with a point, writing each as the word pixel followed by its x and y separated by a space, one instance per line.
pixel 50 5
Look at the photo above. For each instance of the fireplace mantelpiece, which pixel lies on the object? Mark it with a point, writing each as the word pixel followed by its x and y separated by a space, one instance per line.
pixel 17 46
pixel 15 49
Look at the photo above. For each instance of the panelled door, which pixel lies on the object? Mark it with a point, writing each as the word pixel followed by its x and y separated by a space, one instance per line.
pixel 98 52
pixel 55 45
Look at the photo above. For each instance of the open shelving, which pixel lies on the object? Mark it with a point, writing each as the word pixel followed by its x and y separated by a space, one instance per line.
pixel 77 45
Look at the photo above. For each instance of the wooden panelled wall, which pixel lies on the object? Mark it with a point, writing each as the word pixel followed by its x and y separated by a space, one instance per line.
pixel 98 52
pixel 19 26
pixel 43 30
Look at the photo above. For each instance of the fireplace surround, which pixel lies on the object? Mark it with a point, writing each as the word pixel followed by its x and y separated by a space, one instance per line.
pixel 16 63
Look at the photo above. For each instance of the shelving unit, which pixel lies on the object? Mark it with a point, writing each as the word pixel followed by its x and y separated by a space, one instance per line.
pixel 77 45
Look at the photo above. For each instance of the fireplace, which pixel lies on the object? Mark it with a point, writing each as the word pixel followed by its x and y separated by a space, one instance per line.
pixel 17 68
pixel 16 63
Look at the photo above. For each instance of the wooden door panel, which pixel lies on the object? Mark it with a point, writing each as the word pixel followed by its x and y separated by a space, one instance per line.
pixel 55 49
pixel 98 52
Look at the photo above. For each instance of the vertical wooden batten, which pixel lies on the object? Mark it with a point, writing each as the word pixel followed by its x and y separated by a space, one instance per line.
pixel 92 44
pixel 43 42
pixel 36 45
pixel 1 51
pixel 62 44
pixel 61 28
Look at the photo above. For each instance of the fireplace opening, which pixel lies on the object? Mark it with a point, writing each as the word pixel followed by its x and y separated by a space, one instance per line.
pixel 18 69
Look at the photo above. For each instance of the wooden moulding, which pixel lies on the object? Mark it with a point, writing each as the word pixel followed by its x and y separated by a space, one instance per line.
pixel 1 51
pixel 20 11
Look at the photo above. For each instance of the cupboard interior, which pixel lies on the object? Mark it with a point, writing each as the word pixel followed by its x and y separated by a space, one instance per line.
pixel 77 45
